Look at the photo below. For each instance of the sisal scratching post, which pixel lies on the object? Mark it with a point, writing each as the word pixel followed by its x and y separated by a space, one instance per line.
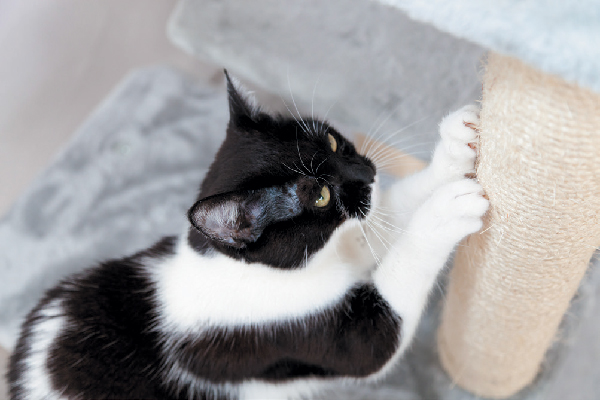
pixel 539 164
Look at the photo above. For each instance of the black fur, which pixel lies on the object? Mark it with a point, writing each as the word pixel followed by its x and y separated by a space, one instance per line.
pixel 267 174
pixel 108 349
pixel 351 340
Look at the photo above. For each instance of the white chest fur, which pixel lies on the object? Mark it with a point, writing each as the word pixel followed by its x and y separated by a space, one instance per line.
pixel 195 290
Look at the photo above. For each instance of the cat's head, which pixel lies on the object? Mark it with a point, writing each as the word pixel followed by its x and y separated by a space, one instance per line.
pixel 279 186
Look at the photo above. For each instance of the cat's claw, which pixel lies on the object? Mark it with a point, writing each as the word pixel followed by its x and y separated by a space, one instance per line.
pixel 454 157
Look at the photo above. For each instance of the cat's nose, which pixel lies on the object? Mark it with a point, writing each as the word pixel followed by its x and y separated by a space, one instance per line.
pixel 363 172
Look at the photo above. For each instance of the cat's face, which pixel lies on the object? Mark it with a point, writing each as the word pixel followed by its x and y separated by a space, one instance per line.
pixel 279 187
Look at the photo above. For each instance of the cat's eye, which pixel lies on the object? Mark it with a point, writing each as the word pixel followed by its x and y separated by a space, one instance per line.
pixel 332 142
pixel 324 197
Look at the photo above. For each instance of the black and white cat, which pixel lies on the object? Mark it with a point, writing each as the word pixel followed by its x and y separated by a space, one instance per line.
pixel 294 274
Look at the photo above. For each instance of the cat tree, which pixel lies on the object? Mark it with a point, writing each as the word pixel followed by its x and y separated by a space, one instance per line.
pixel 512 283
pixel 540 167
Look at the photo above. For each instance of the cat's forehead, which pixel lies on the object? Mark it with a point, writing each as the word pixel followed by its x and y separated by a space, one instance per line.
pixel 308 132
pixel 292 142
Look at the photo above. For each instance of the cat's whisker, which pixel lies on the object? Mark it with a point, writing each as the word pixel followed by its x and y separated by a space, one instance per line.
pixel 387 137
pixel 383 147
pixel 390 210
pixel 312 171
pixel 290 168
pixel 389 166
pixel 391 161
pixel 312 103
pixel 320 178
pixel 319 166
pixel 382 224
pixel 388 149
pixel 383 212
pixel 400 147
pixel 373 227
pixel 374 134
pixel 331 176
pixel 307 131
pixel 326 114
pixel 297 170
pixel 324 180
pixel 400 154
pixel 385 242
pixel 368 144
pixel 365 143
pixel 293 116
pixel 368 136
pixel 373 146
pixel 299 155
pixel 397 147
pixel 382 143
pixel 380 213
pixel 375 256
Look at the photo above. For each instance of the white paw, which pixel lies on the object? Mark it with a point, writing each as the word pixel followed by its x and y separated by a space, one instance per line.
pixel 451 213
pixel 455 154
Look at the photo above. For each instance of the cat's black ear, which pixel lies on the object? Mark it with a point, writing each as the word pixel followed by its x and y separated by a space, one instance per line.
pixel 239 218
pixel 243 107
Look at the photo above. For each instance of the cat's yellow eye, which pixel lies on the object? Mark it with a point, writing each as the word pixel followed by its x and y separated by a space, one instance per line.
pixel 324 197
pixel 332 142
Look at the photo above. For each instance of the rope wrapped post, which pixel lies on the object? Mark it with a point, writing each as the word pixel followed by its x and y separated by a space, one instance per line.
pixel 539 164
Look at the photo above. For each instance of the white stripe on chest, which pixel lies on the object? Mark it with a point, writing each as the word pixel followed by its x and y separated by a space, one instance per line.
pixel 195 290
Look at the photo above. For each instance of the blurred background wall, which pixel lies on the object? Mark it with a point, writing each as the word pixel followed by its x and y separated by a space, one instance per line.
pixel 58 60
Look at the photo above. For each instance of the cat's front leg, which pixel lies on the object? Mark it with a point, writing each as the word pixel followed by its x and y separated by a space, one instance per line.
pixel 409 270
pixel 453 159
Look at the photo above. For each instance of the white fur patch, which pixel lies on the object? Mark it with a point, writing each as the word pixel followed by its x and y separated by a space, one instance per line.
pixel 36 381
pixel 195 290
pixel 294 390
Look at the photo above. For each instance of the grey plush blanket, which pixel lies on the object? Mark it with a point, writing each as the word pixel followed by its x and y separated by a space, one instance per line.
pixel 559 37
pixel 124 180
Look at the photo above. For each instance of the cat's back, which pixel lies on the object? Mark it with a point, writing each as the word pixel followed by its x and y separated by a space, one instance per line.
pixel 94 333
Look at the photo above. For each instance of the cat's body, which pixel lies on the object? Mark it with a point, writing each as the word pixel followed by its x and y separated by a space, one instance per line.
pixel 274 292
